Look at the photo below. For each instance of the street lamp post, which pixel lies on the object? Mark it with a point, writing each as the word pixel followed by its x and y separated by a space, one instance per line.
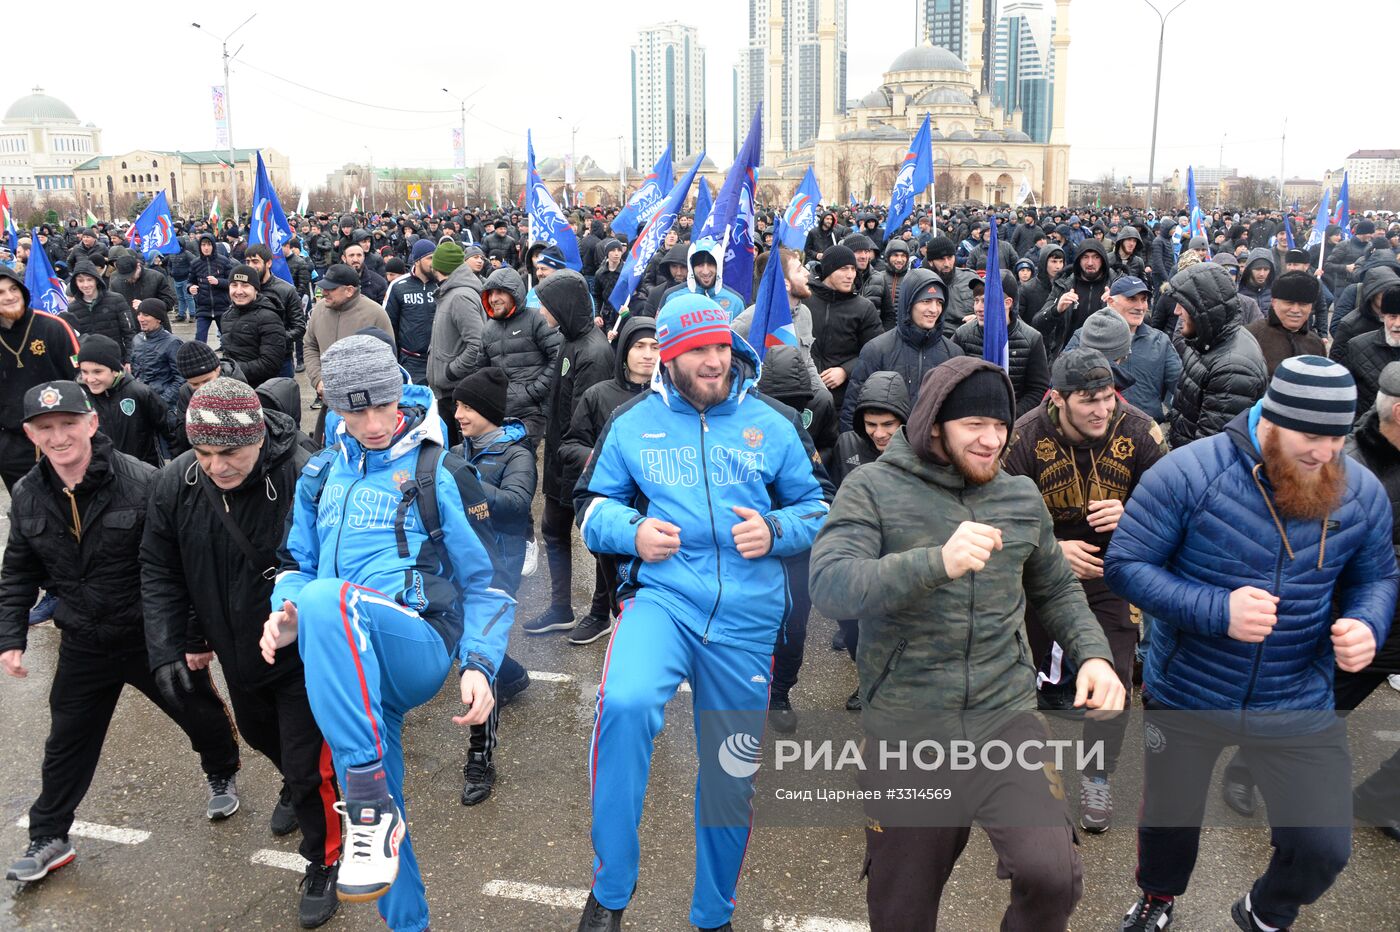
pixel 228 108
pixel 462 102
pixel 1157 96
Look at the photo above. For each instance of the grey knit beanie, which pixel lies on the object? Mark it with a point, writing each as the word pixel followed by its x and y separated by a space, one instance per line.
pixel 1108 333
pixel 360 372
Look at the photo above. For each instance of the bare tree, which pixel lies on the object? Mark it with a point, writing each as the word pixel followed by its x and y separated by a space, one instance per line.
pixel 843 180
pixel 1107 184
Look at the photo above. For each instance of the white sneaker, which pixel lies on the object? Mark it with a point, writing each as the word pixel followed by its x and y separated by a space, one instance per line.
pixel 369 861
pixel 1394 681
pixel 532 558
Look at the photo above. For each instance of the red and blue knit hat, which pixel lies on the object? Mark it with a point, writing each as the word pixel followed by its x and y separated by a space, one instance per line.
pixel 690 321
pixel 224 413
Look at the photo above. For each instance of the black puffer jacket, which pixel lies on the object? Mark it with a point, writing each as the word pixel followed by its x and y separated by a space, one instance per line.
pixel 883 391
pixel 1367 355
pixel 585 358
pixel 1363 319
pixel 1058 327
pixel 784 377
pixel 1025 357
pixel 149 284
pixel 227 369
pixel 134 416
pixel 841 326
pixel 286 301
pixel 1223 370
pixel 1370 446
pixel 525 346
pixel 906 349
pixel 1031 295
pixel 601 400
pixel 210 300
pixel 1162 255
pixel 255 338
pixel 197 586
pixel 106 314
pixel 96 572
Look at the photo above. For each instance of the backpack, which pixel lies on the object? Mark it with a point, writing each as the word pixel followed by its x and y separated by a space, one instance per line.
pixel 421 488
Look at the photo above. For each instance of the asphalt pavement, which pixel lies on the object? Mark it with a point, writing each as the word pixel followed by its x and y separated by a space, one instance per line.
pixel 148 858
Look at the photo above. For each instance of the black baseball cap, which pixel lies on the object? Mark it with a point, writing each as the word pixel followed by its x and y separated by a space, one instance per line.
pixel 56 397
pixel 338 276
pixel 1081 370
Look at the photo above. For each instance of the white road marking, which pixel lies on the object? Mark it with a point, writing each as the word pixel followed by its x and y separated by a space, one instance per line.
pixel 287 860
pixel 811 924
pixel 1388 735
pixel 122 836
pixel 546 677
pixel 536 893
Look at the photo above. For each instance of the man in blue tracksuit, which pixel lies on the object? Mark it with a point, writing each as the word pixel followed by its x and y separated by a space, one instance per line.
pixel 701 486
pixel 380 595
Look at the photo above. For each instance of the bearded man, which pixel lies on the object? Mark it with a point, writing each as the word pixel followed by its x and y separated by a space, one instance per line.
pixel 1240 545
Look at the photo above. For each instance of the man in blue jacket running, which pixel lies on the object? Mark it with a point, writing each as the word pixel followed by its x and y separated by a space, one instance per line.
pixel 701 486
pixel 381 595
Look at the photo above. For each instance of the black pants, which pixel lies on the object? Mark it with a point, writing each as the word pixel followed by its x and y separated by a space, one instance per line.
pixel 850 634
pixel 448 409
pixel 792 636
pixel 86 686
pixel 482 738
pixel 1181 751
pixel 1378 796
pixel 276 721
pixel 557 528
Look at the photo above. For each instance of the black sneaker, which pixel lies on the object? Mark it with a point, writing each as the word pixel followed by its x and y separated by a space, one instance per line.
pixel 590 628
pixel 317 404
pixel 1243 914
pixel 284 817
pixel 478 776
pixel 41 858
pixel 1239 797
pixel 838 640
pixel 554 618
pixel 318 899
pixel 505 692
pixel 223 798
pixel 853 703
pixel 1149 914
pixel 781 716
pixel 598 918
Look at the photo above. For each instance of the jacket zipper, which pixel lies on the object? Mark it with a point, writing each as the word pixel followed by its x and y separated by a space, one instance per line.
pixel 971 606
pixel 1259 648
pixel 340 525
pixel 889 666
pixel 714 533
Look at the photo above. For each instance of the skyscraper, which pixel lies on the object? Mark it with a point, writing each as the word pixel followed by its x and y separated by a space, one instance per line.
pixel 797 99
pixel 668 94
pixel 1023 65
pixel 945 23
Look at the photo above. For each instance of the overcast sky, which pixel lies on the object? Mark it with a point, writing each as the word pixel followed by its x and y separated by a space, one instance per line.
pixel 1233 68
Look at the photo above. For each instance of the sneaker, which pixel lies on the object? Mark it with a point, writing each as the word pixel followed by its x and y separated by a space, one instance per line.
pixel 853 703
pixel 1149 914
pixel 41 858
pixel 1095 804
pixel 554 618
pixel 1394 681
pixel 317 404
pixel 505 692
pixel 838 640
pixel 598 918
pixel 479 775
pixel 590 628
pixel 1239 797
pixel 781 716
pixel 1243 914
pixel 318 899
pixel 284 817
pixel 43 609
pixel 370 859
pixel 223 797
pixel 532 558
pixel 299 367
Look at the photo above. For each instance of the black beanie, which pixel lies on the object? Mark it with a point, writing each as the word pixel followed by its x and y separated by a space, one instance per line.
pixel 981 394
pixel 195 358
pixel 1390 301
pixel 484 391
pixel 836 257
pixel 102 350
pixel 1299 287
pixel 940 247
pixel 155 307
pixel 247 275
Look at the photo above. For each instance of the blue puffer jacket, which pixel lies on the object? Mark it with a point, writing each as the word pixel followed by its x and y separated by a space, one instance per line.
pixel 153 362
pixel 509 478
pixel 658 457
pixel 1198 527
pixel 353 534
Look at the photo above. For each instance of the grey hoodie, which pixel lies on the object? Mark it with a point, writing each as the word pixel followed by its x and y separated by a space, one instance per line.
pixel 459 324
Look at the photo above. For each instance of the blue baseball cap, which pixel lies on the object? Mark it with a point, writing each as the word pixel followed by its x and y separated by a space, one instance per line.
pixel 1127 286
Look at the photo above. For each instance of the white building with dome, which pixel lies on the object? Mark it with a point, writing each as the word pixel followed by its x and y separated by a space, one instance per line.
pixel 41 140
pixel 981 152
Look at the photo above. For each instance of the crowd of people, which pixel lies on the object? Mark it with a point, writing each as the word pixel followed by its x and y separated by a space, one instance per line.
pixel 1185 478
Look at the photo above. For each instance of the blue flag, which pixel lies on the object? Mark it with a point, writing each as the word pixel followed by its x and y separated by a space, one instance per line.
pixel 651 239
pixel 153 231
pixel 772 311
pixel 1197 223
pixel 643 203
pixel 704 201
pixel 915 175
pixel 801 214
pixel 45 287
pixel 269 224
pixel 994 335
pixel 1288 229
pixel 1319 230
pixel 1343 215
pixel 731 220
pixel 853 199
pixel 547 222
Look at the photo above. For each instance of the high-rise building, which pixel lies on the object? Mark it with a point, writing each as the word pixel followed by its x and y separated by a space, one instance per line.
pixel 945 23
pixel 1023 65
pixel 795 24
pixel 668 94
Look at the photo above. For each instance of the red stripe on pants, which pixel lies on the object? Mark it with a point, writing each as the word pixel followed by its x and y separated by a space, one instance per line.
pixel 359 669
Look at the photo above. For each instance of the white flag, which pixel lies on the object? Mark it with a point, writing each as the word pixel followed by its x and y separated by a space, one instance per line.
pixel 1023 192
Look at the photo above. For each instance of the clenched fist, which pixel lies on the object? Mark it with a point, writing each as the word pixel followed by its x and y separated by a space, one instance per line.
pixel 970 548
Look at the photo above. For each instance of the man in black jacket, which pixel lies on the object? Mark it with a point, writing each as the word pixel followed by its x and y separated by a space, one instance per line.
pixel 1025 347
pixel 843 322
pixel 283 297
pixel 1079 291
pixel 253 333
pixel 411 304
pixel 372 285
pixel 134 283
pixel 39 348
pixel 215 519
pixel 518 340
pixel 75 527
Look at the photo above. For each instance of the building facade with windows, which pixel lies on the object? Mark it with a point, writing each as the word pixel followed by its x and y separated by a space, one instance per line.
pixel 41 141
pixel 190 180
pixel 783 63
pixel 668 94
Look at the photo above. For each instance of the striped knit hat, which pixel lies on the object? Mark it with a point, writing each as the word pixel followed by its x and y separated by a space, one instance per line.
pixel 1311 395
pixel 689 321
pixel 224 413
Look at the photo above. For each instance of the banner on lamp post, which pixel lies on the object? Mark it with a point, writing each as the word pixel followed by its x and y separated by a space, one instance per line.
pixel 221 140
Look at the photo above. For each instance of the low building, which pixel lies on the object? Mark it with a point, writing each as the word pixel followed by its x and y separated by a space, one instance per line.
pixel 110 185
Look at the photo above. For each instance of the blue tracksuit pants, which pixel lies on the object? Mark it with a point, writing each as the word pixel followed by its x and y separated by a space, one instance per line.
pixel 649 655
pixel 368 661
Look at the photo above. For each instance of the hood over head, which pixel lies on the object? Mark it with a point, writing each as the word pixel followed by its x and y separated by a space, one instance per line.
pixel 633 329
pixel 1377 280
pixel 1129 233
pixel 883 391
pixel 1095 246
pixel 565 295
pixel 18 279
pixel 504 279
pixel 1257 257
pixel 917 285
pixel 85 267
pixel 785 377
pixel 937 385
pixel 706 246
pixel 1042 273
pixel 1208 294
pixel 283 396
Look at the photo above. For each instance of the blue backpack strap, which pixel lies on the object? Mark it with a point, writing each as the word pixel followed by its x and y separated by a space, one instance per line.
pixel 317 470
pixel 422 489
